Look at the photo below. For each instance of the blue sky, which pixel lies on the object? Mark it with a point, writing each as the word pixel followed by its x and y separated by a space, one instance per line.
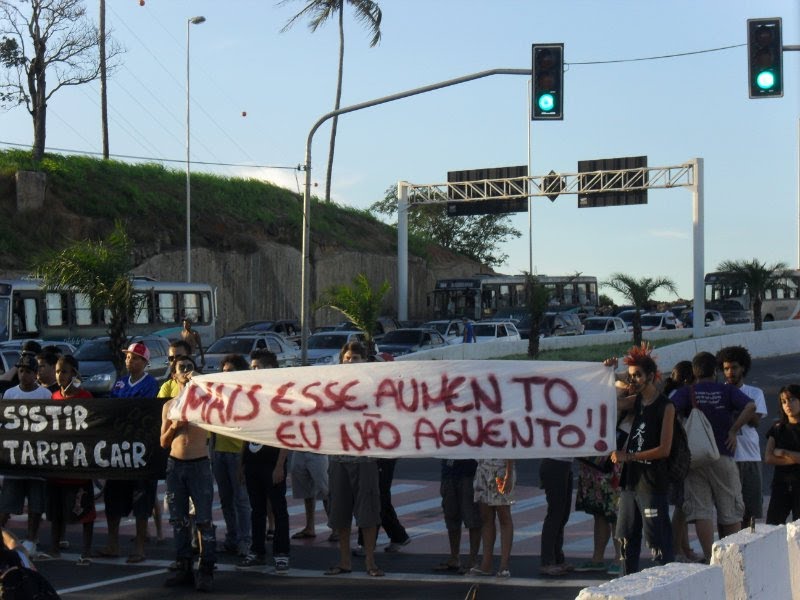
pixel 670 110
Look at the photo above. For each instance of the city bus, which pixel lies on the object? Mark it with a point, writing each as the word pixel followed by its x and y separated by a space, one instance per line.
pixel 781 302
pixel 27 311
pixel 486 296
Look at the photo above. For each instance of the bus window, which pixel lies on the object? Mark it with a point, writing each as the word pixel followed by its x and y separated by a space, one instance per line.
pixel 55 309
pixel 83 309
pixel 167 307
pixel 5 321
pixel 142 303
pixel 206 300
pixel 191 306
pixel 26 315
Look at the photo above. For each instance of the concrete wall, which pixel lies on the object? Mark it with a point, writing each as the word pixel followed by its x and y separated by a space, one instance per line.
pixel 266 284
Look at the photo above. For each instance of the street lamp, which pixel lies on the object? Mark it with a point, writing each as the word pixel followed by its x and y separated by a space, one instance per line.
pixel 190 21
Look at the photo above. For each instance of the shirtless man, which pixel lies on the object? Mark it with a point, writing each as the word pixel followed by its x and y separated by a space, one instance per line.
pixel 191 337
pixel 189 476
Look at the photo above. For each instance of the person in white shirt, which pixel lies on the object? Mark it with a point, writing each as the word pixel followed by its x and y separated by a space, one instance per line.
pixel 17 490
pixel 734 361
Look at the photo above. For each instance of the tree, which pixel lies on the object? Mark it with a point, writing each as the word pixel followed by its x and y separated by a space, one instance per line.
pixel 477 237
pixel 54 40
pixel 536 300
pixel 321 11
pixel 638 292
pixel 101 270
pixel 757 277
pixel 359 303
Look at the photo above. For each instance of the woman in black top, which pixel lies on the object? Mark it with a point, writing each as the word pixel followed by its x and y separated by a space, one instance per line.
pixel 783 451
pixel 644 500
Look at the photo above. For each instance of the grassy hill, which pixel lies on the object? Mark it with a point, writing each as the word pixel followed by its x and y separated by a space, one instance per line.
pixel 85 196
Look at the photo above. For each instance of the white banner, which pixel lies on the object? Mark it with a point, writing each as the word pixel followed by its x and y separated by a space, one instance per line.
pixel 445 409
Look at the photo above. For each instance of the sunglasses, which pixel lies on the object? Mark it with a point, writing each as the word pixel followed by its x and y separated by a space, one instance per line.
pixel 185 368
pixel 176 357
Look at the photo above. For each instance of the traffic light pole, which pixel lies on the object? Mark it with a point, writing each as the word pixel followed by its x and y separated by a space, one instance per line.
pixel 305 287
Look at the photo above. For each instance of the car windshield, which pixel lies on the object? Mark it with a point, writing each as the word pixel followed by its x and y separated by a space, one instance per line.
pixel 258 326
pixel 485 330
pixel 401 337
pixel 94 350
pixel 327 342
pixel 594 324
pixel 440 326
pixel 231 346
pixel 651 320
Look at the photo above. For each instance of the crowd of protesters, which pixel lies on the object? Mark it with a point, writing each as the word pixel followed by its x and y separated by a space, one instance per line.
pixel 628 493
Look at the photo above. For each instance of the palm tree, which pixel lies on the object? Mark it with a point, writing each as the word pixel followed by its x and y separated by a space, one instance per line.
pixel 536 301
pixel 638 293
pixel 757 277
pixel 321 11
pixel 359 303
pixel 99 269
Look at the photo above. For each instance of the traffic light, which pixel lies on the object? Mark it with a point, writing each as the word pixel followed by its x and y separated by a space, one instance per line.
pixel 765 58
pixel 548 82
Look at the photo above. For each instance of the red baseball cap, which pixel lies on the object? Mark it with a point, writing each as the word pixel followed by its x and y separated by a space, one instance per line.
pixel 140 350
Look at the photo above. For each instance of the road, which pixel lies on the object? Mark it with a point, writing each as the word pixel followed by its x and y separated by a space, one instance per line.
pixel 409 574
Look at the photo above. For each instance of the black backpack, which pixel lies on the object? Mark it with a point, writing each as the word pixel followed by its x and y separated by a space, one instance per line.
pixel 679 455
pixel 21 583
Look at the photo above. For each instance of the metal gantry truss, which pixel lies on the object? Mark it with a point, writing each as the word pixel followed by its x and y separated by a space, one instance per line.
pixel 623 180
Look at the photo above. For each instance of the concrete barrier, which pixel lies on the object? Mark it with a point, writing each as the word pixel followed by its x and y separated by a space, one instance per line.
pixel 755 565
pixel 793 542
pixel 675 581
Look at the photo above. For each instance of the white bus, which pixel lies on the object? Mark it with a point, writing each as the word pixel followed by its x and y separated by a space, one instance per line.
pixel 27 311
pixel 486 296
pixel 781 302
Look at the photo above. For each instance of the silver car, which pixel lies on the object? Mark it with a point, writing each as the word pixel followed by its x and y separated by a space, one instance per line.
pixel 324 347
pixel 244 343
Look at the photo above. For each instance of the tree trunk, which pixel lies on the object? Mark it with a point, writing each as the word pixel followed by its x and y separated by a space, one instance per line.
pixel 758 320
pixel 103 90
pixel 39 128
pixel 335 121
pixel 637 329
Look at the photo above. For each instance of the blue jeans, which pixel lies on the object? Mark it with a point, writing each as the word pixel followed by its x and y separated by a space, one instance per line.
pixel 233 499
pixel 648 511
pixel 191 479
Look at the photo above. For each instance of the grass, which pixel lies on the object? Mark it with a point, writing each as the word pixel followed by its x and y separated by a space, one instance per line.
pixel 227 213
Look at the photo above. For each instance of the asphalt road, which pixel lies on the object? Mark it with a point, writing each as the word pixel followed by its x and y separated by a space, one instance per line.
pixel 409 575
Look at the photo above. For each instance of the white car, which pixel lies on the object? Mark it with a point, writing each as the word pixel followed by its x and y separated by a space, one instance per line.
pixel 503 331
pixel 452 330
pixel 324 347
pixel 596 325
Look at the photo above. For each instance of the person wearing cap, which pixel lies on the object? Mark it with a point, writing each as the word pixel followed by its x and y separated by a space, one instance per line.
pixel 125 496
pixel 16 490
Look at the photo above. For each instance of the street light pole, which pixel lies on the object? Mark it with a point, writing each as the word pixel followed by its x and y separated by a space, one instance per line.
pixel 189 22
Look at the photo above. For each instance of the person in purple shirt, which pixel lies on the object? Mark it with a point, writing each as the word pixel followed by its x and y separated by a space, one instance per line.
pixel 716 484
pixel 122 497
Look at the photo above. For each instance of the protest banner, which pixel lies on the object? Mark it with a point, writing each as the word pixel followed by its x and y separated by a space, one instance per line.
pixel 102 438
pixel 447 409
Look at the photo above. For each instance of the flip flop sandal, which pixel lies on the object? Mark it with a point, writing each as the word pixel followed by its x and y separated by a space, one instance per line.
pixel 375 572
pixel 337 570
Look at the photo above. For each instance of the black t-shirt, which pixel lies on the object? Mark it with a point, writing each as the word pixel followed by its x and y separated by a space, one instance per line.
pixel 787 437
pixel 646 476
pixel 255 455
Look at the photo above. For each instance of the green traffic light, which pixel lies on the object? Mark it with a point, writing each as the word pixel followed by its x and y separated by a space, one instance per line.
pixel 765 80
pixel 546 102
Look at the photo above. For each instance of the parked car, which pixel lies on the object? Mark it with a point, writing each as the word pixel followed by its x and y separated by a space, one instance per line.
pixel 288 328
pixel 406 341
pixel 452 331
pixel 731 311
pixel 244 343
pixel 324 347
pixel 627 316
pixel 98 374
pixel 714 319
pixel 65 347
pixel 595 325
pixel 382 326
pixel 8 358
pixel 560 323
pixel 660 321
pixel 504 331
